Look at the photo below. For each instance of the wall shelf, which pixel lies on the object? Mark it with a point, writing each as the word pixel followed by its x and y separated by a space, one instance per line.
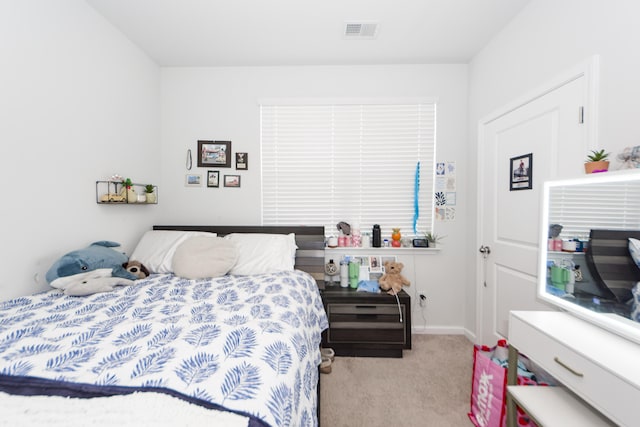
pixel 113 193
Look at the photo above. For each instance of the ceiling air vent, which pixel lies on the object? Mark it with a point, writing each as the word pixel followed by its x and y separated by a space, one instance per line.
pixel 360 30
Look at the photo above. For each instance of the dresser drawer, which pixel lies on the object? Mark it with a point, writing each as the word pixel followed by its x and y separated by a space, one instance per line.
pixel 593 382
pixel 365 323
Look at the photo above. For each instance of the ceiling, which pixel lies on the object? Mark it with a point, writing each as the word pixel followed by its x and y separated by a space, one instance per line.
pixel 307 32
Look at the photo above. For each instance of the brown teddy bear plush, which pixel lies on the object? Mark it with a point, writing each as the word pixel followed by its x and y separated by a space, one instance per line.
pixel 136 268
pixel 392 279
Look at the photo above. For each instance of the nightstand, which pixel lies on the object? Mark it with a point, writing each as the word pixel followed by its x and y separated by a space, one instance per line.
pixel 366 324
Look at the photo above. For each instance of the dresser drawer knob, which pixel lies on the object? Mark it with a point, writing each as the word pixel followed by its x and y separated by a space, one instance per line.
pixel 564 365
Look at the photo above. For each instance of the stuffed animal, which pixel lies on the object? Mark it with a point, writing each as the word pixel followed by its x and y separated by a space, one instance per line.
pixel 97 255
pixel 91 282
pixel 392 279
pixel 136 268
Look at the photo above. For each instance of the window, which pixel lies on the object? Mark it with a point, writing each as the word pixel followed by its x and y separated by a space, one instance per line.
pixel 579 208
pixel 323 163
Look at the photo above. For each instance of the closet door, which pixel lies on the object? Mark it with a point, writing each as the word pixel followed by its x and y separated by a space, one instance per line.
pixel 550 128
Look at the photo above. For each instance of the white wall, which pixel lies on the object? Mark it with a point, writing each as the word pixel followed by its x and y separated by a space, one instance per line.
pixel 78 103
pixel 222 104
pixel 548 37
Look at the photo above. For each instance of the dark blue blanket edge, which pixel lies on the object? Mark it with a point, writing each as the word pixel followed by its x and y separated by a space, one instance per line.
pixel 33 386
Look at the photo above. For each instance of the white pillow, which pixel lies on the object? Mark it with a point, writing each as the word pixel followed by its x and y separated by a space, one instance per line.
pixel 263 253
pixel 156 248
pixel 204 256
pixel 634 250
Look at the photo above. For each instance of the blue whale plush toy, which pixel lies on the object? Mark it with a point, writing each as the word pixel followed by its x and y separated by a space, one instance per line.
pixel 97 255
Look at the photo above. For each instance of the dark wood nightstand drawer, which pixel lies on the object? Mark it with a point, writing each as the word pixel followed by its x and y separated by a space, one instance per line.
pixel 362 324
pixel 367 326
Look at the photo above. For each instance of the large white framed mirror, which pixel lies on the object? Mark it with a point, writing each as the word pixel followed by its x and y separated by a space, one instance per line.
pixel 586 263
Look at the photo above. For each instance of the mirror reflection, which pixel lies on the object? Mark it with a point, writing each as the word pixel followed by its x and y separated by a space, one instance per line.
pixel 590 247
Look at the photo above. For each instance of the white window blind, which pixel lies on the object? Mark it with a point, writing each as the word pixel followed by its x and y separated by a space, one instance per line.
pixel 353 162
pixel 579 208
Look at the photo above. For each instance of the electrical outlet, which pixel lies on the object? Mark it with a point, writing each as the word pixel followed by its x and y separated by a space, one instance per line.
pixel 423 300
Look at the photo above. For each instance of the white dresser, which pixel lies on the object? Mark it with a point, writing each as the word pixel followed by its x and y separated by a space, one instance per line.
pixel 599 371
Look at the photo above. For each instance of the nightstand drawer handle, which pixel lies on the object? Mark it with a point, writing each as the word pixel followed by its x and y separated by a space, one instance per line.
pixel 365 306
pixel 573 371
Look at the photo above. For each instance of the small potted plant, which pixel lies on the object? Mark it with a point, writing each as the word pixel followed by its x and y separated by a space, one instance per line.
pixel 597 162
pixel 128 191
pixel 433 238
pixel 149 192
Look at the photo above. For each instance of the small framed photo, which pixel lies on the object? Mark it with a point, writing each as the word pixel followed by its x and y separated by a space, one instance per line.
pixel 192 180
pixel 242 161
pixel 375 264
pixel 232 180
pixel 214 153
pixel 213 179
pixel 521 168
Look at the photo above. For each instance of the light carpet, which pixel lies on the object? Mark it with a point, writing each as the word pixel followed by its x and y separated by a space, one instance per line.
pixel 429 387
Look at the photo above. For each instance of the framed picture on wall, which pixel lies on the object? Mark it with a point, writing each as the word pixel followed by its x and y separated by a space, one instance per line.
pixel 214 153
pixel 232 180
pixel 192 180
pixel 242 161
pixel 213 179
pixel 521 172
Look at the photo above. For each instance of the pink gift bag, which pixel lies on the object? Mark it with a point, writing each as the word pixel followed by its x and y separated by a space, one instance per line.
pixel 489 387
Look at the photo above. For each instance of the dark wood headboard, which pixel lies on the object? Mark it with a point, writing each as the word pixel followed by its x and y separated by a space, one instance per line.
pixel 310 242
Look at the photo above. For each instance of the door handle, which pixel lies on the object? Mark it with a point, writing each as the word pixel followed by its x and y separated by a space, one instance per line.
pixel 485 250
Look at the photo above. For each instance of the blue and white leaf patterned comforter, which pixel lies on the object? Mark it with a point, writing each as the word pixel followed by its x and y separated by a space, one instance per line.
pixel 247 343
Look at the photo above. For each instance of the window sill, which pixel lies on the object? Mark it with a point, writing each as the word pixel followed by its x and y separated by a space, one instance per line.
pixel 383 251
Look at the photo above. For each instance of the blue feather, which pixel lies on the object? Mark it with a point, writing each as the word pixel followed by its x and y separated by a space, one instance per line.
pixel 164 337
pixel 203 314
pixel 142 313
pixel 77 321
pixel 86 338
pixel 201 292
pixel 236 320
pixel 71 360
pixel 261 311
pixel 280 404
pixel 241 382
pixel 65 306
pixel 19 369
pixel 55 318
pixel 278 356
pixel 19 334
pixel 300 345
pixel 229 296
pixel 240 343
pixel 290 318
pixel 272 327
pixel 197 368
pixel 154 362
pixel 109 379
pixel 136 333
pixel 281 300
pixel 203 335
pixel 18 302
pixel 115 360
pixel 89 308
pixel 31 350
pixel 6 322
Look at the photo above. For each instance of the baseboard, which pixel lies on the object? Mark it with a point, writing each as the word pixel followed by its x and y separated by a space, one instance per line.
pixel 439 330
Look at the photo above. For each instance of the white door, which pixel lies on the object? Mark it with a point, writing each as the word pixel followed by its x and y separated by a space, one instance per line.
pixel 549 126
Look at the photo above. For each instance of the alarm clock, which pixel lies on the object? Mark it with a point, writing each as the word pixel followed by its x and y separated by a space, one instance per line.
pixel 420 243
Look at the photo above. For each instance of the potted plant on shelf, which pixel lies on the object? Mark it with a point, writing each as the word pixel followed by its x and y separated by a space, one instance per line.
pixel 597 162
pixel 151 196
pixel 433 238
pixel 128 191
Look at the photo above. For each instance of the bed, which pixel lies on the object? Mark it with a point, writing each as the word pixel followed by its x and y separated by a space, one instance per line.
pixel 243 345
